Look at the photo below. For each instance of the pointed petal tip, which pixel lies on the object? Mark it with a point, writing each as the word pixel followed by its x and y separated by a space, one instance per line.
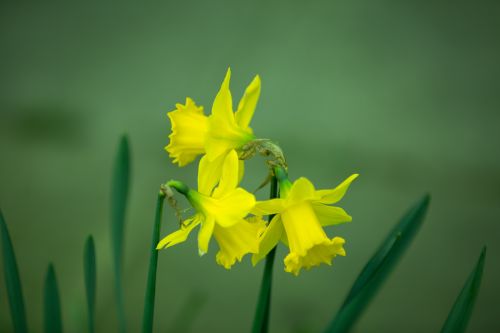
pixel 227 78
pixel 256 80
pixel 353 176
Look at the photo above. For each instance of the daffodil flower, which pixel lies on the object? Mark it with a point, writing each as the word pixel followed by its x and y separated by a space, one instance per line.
pixel 194 133
pixel 301 212
pixel 220 212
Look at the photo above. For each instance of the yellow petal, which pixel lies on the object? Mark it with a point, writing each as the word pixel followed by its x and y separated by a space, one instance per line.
pixel 334 195
pixel 224 133
pixel 189 132
pixel 248 102
pixel 216 147
pixel 209 173
pixel 223 103
pixel 233 207
pixel 269 239
pixel 204 235
pixel 229 176
pixel 236 241
pixel 268 207
pixel 302 190
pixel 330 215
pixel 178 236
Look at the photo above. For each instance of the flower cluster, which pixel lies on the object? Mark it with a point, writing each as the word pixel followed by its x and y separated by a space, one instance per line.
pixel 230 213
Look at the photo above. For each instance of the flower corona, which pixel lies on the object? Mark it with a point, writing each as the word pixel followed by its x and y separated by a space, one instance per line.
pixel 220 212
pixel 224 139
pixel 300 214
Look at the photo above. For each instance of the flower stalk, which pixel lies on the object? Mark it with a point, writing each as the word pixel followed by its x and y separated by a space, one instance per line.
pixel 261 319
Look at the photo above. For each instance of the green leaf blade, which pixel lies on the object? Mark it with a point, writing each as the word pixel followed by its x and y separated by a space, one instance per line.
pixel 379 267
pixel 52 303
pixel 119 195
pixel 13 281
pixel 90 277
pixel 149 298
pixel 460 313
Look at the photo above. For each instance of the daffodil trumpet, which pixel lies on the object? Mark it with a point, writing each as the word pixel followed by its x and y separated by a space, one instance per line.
pixel 224 140
pixel 215 135
pixel 221 211
pixel 300 214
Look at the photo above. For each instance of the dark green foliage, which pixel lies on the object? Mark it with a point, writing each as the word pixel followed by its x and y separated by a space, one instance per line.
pixel 378 268
pixel 459 316
pixel 119 194
pixel 52 305
pixel 12 281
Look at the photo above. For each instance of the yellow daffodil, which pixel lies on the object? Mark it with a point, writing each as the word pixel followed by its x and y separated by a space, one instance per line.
pixel 301 213
pixel 189 131
pixel 220 212
pixel 194 133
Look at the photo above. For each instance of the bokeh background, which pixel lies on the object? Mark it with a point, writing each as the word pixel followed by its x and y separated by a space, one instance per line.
pixel 406 93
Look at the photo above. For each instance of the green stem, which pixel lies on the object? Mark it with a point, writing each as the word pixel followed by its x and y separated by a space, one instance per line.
pixel 149 301
pixel 179 186
pixel 261 319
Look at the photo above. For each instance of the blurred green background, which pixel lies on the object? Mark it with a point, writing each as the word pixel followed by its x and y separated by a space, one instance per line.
pixel 404 92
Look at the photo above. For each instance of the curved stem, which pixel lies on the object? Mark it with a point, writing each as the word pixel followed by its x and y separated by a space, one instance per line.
pixel 149 301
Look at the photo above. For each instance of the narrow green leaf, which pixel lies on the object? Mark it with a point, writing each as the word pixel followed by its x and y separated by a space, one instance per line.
pixel 149 301
pixel 119 194
pixel 379 267
pixel 459 316
pixel 261 319
pixel 89 270
pixel 52 304
pixel 12 281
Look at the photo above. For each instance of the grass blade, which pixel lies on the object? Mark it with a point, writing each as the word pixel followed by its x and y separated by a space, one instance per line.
pixel 52 304
pixel 149 301
pixel 261 319
pixel 12 281
pixel 459 316
pixel 119 194
pixel 89 270
pixel 379 267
